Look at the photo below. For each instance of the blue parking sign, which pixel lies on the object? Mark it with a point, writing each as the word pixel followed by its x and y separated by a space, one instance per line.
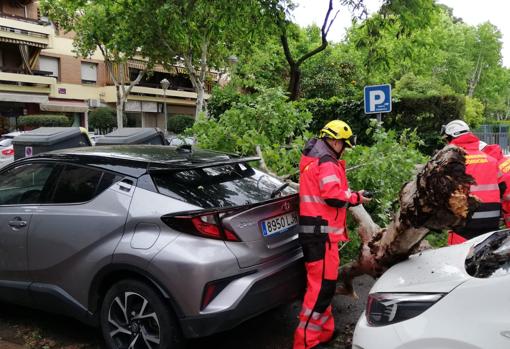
pixel 377 99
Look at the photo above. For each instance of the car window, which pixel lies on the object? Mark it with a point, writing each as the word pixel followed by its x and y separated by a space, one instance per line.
pixel 218 186
pixel 24 184
pixel 80 184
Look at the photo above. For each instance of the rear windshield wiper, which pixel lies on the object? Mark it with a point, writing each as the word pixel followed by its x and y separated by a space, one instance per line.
pixel 279 190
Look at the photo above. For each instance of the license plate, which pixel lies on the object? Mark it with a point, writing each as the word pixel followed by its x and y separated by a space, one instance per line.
pixel 279 224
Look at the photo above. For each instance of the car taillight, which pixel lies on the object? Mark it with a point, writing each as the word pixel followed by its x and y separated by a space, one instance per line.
pixel 8 152
pixel 389 308
pixel 206 225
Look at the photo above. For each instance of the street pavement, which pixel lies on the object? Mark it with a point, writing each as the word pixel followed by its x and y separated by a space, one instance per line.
pixel 22 328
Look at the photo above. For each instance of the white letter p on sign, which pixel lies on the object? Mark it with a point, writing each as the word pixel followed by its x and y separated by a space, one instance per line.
pixel 376 98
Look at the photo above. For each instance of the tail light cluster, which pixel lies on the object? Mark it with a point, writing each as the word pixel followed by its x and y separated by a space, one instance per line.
pixel 8 152
pixel 207 225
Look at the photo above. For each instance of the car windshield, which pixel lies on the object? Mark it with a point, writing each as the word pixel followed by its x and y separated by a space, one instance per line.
pixel 219 186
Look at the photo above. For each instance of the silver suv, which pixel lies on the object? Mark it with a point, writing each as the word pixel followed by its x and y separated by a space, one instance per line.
pixel 152 243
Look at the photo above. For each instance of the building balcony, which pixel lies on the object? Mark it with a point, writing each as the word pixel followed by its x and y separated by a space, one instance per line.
pixel 24 83
pixel 152 94
pixel 19 30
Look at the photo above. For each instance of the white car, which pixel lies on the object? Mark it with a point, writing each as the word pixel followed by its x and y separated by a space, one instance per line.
pixel 455 297
pixel 6 148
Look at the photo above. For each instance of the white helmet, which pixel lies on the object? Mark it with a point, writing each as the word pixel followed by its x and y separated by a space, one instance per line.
pixel 454 128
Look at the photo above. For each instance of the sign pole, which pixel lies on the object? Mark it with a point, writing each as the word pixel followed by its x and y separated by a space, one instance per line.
pixel 379 118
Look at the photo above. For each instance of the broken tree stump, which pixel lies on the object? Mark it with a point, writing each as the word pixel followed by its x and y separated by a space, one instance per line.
pixel 436 199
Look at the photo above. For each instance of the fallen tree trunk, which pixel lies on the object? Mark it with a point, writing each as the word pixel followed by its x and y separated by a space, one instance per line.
pixel 436 199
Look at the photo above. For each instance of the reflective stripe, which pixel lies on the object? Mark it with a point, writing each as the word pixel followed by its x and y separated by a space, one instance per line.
pixel 306 311
pixel 309 326
pixel 310 229
pixel 329 179
pixel 486 214
pixel 324 319
pixel 312 198
pixel 483 187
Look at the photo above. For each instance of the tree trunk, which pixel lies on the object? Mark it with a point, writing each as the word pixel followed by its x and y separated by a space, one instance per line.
pixel 120 107
pixel 295 82
pixel 438 198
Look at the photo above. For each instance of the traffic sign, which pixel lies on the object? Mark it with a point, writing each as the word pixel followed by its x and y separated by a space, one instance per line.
pixel 29 151
pixel 377 99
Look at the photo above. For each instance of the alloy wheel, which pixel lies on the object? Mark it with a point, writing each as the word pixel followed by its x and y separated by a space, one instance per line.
pixel 133 323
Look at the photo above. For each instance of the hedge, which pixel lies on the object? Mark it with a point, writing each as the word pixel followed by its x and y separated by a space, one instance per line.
pixel 44 121
pixel 103 119
pixel 425 114
pixel 178 123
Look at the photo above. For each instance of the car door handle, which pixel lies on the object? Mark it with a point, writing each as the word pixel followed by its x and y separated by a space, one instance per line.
pixel 17 223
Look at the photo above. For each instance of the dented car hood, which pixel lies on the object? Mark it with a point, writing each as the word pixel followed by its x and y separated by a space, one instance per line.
pixel 439 270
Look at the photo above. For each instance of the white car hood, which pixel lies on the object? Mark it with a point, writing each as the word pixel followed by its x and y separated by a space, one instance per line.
pixel 439 270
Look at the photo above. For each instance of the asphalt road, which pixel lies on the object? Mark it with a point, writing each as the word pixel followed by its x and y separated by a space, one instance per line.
pixel 25 328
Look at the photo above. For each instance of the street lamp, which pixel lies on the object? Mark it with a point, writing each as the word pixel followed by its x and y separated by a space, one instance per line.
pixel 164 85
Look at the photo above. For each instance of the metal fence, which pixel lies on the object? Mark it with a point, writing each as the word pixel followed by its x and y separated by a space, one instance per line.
pixel 491 134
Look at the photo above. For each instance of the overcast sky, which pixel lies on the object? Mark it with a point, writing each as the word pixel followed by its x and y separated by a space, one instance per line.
pixel 472 11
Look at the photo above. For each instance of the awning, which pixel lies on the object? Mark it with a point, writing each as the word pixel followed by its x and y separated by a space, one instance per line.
pixel 22 42
pixel 64 106
pixel 23 97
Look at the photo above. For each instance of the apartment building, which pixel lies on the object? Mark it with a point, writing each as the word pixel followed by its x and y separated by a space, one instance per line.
pixel 40 74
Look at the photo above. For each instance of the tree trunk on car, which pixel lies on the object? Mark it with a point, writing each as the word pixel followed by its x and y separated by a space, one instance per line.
pixel 436 199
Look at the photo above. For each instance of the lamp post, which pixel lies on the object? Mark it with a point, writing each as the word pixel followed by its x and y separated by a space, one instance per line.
pixel 164 85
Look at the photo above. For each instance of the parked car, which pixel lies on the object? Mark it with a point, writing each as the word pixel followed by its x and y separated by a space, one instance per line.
pixel 150 242
pixel 179 140
pixel 93 137
pixel 6 148
pixel 450 298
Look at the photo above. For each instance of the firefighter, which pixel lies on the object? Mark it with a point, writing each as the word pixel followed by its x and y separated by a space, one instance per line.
pixel 484 170
pixel 495 151
pixel 324 197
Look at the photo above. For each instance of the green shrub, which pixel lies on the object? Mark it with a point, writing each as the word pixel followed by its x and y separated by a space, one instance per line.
pixel 474 114
pixel 222 99
pixel 266 119
pixel 179 123
pixel 103 119
pixel 34 121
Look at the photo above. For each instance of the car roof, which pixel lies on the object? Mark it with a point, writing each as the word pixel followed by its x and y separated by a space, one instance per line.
pixel 12 134
pixel 136 160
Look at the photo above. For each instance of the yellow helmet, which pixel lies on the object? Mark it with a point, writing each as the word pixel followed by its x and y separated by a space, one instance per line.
pixel 337 129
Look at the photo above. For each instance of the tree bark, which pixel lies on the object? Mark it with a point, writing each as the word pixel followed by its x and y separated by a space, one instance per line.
pixel 436 199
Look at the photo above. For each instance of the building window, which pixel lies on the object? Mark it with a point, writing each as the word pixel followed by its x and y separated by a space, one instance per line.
pixel 50 66
pixel 88 73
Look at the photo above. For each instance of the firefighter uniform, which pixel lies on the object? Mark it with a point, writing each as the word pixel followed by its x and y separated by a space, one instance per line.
pixel 324 198
pixel 484 170
pixel 495 151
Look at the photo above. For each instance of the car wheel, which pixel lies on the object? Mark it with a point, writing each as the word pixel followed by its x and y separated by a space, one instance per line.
pixel 134 316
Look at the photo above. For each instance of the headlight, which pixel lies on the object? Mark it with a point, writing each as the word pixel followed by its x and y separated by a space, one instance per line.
pixel 389 308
